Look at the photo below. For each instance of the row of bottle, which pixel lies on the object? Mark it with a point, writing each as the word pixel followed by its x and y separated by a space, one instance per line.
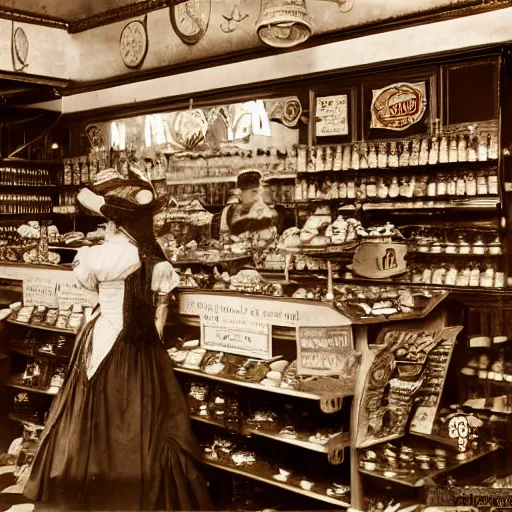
pixel 407 153
pixel 472 274
pixel 9 234
pixel 214 193
pixel 458 243
pixel 67 198
pixel 15 176
pixel 466 184
pixel 82 170
pixel 271 162
pixel 16 204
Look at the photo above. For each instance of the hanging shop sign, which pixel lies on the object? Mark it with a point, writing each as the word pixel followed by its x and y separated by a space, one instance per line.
pixel 272 311
pixel 482 498
pixel 236 335
pixel 190 20
pixel 332 115
pixel 398 106
pixel 326 351
pixel 39 291
pixel 284 110
pixel 283 23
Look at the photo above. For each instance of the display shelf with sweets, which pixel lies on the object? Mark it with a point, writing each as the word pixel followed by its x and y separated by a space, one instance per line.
pixel 16 381
pixel 316 491
pixel 299 440
pixel 422 472
pixel 25 419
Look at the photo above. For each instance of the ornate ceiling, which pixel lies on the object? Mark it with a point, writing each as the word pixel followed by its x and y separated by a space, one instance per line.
pixel 78 15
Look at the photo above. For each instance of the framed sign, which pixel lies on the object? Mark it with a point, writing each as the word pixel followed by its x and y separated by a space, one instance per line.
pixel 398 106
pixel 326 351
pixel 39 291
pixel 236 335
pixel 332 115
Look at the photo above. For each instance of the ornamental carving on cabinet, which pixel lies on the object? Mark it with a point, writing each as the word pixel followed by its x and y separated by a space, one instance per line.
pixel 190 20
pixel 19 49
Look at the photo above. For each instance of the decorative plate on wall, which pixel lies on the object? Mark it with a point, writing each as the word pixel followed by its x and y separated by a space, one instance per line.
pixel 133 43
pixel 190 20
pixel 19 49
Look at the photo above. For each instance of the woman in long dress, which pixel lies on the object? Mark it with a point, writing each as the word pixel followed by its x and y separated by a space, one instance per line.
pixel 118 435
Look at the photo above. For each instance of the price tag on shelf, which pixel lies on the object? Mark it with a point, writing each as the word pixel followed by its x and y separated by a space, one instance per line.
pixel 39 291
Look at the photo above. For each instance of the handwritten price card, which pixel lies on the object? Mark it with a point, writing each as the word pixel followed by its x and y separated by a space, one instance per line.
pixel 39 291
pixel 326 351
pixel 332 115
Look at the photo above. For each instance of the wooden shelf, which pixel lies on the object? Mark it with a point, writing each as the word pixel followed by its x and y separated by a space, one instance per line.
pixel 44 328
pixel 202 181
pixel 421 482
pixel 250 385
pixel 448 167
pixel 301 443
pixel 16 382
pixel 248 474
pixel 37 354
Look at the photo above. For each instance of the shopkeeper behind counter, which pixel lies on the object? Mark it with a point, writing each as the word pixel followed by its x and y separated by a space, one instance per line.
pixel 246 212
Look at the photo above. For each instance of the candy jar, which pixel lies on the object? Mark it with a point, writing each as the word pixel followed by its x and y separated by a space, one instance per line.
pixel 362 189
pixel 328 162
pixel 347 156
pixel 472 145
pixel 463 277
pixel 441 185
pixel 414 159
pixel 342 190
pixel 426 277
pixel 492 184
pixel 443 150
pixel 326 190
pixel 351 190
pixel 453 153
pixel 354 162
pixel 451 185
pixel 470 184
pixel 411 187
pixel 481 184
pixel 320 191
pixel 420 190
pixel 492 148
pixel 363 155
pixel 394 188
pixel 305 189
pixel 312 189
pixel 334 190
pixel 338 158
pixel 462 149
pixel 499 279
pixel 371 188
pixel 439 275
pixel 382 189
pixel 432 188
pixel 382 158
pixel 405 155
pixel 495 247
pixel 404 187
pixel 451 276
pixel 474 276
pixel 312 159
pixel 372 156
pixel 479 246
pixel 482 148
pixel 298 191
pixel 319 162
pixel 433 155
pixel 393 155
pixel 423 160
pixel 464 247
pixel 461 185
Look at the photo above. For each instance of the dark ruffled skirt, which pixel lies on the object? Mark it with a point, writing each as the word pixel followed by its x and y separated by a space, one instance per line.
pixel 121 440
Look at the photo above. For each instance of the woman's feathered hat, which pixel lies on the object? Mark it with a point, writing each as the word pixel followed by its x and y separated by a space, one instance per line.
pixel 250 178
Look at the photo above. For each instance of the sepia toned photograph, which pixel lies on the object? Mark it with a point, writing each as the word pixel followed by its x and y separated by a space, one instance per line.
pixel 254 255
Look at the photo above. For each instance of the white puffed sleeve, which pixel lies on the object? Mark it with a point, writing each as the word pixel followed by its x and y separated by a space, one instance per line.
pixel 83 272
pixel 164 278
